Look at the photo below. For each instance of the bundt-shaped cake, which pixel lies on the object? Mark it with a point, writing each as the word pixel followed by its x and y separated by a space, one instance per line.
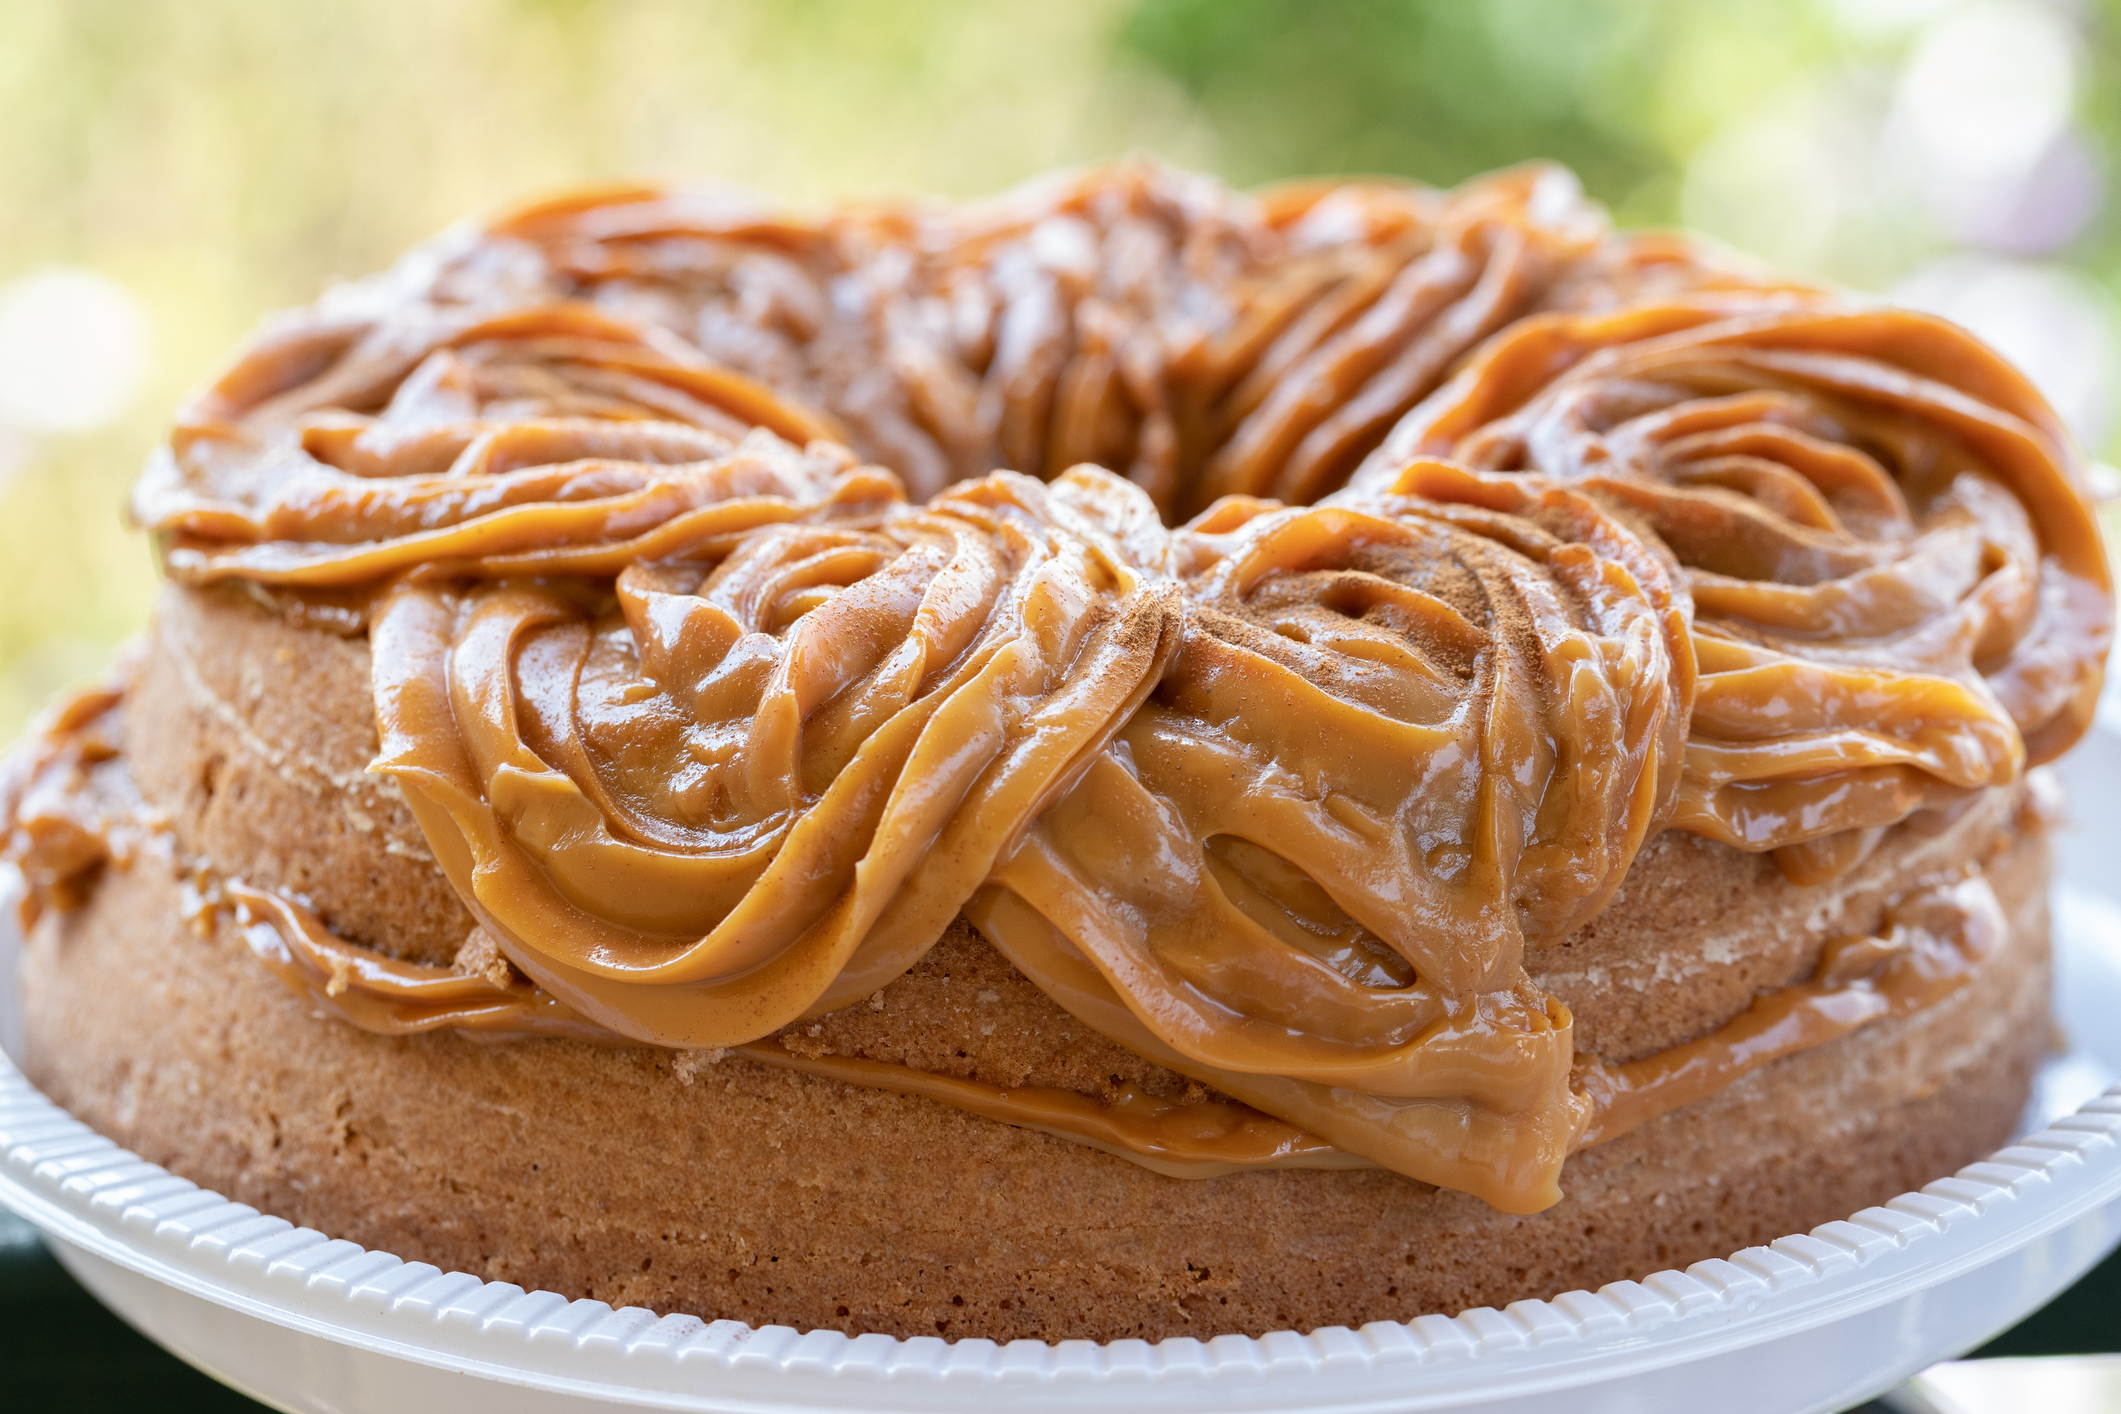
pixel 1127 760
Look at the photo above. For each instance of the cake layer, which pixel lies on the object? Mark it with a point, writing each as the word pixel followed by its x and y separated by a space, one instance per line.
pixel 261 730
pixel 734 1190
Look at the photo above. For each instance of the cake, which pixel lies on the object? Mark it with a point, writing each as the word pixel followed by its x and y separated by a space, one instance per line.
pixel 1126 760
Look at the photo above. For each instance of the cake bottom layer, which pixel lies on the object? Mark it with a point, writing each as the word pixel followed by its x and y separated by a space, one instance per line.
pixel 643 1177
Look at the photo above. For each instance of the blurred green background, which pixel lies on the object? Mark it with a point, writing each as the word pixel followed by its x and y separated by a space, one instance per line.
pixel 169 172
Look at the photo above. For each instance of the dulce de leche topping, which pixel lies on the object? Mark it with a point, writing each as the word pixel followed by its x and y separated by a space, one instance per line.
pixel 1578 537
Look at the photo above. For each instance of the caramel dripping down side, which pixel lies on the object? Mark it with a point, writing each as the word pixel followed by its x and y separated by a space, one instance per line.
pixel 868 720
pixel 1494 663
pixel 712 729
pixel 75 813
pixel 69 806
pixel 1177 1138
pixel 1935 941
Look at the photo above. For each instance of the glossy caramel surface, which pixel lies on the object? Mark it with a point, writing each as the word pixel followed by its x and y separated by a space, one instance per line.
pixel 1452 545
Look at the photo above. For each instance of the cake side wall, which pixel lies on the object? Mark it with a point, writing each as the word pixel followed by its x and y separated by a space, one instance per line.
pixel 260 730
pixel 772 1197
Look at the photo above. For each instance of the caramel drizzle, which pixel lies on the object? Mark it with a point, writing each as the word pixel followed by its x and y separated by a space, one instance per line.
pixel 1900 595
pixel 75 812
pixel 712 730
pixel 1935 940
pixel 1182 1138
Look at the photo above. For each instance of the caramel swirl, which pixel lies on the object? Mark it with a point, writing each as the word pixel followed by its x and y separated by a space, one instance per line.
pixel 69 805
pixel 1578 536
pixel 74 811
pixel 1198 341
pixel 1401 730
pixel 548 441
pixel 723 794
pixel 1899 594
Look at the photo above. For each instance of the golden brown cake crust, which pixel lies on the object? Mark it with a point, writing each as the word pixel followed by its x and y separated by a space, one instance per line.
pixel 733 1190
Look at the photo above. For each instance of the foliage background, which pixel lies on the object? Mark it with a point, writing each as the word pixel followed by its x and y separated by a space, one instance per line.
pixel 169 172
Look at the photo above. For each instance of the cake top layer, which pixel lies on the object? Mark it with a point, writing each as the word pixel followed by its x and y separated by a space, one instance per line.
pixel 723 667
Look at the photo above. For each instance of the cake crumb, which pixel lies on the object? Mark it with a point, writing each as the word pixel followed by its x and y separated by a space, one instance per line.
pixel 876 1000
pixel 480 956
pixel 687 1065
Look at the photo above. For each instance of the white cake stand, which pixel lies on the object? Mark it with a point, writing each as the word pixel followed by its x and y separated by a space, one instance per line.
pixel 1812 1322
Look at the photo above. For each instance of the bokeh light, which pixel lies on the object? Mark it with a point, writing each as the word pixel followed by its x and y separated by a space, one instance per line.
pixel 73 346
pixel 2053 322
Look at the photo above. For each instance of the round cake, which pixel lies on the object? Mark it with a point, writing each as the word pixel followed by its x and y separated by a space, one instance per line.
pixel 1128 760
